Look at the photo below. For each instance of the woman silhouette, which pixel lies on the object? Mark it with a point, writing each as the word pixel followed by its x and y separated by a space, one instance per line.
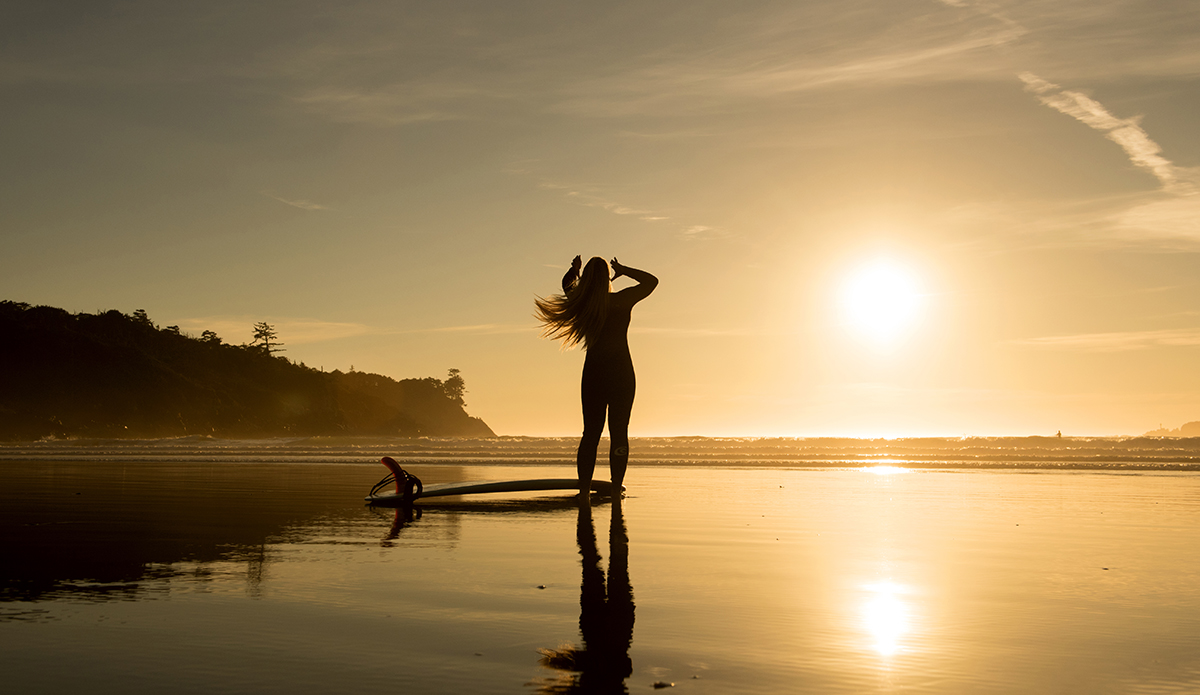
pixel 588 311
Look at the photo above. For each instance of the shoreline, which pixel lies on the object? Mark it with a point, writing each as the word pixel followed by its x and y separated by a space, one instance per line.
pixel 1011 453
pixel 891 463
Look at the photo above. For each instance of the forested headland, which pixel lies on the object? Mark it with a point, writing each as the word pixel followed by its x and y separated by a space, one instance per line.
pixel 111 374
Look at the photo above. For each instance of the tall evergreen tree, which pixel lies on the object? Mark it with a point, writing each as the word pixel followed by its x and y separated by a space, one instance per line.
pixel 454 386
pixel 266 338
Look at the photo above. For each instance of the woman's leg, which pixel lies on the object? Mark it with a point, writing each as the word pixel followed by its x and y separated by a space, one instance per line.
pixel 594 407
pixel 619 410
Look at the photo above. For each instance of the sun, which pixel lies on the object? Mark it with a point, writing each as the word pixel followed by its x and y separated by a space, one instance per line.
pixel 881 302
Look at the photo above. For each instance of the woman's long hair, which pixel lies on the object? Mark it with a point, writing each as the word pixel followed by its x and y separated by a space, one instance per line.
pixel 578 315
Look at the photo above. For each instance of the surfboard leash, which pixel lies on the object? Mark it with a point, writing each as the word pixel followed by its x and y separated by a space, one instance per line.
pixel 408 486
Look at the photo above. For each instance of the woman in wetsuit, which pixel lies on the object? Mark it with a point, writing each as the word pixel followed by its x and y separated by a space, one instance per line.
pixel 588 311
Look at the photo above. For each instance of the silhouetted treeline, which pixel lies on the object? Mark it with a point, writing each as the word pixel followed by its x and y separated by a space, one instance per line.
pixel 117 375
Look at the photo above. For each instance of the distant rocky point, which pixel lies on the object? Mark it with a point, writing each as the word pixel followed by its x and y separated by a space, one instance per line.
pixel 115 375
pixel 1190 429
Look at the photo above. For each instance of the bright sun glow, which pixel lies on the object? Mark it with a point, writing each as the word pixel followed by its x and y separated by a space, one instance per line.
pixel 881 301
pixel 886 617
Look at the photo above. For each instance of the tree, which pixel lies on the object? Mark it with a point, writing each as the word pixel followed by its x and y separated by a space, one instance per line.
pixel 454 387
pixel 210 338
pixel 265 338
pixel 140 316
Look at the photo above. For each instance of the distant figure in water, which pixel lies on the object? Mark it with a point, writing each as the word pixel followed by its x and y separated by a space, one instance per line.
pixel 588 311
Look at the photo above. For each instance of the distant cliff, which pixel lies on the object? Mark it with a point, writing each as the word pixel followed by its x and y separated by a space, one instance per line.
pixel 117 375
pixel 1189 429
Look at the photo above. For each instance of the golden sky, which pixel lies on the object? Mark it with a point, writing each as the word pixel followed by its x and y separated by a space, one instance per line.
pixel 869 218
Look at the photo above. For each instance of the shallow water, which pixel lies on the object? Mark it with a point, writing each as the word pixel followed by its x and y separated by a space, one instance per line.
pixel 254 577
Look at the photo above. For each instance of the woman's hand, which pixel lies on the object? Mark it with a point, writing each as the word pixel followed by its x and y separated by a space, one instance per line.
pixel 576 263
pixel 618 269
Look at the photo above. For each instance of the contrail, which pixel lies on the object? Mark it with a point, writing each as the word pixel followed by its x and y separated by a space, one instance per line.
pixel 1126 132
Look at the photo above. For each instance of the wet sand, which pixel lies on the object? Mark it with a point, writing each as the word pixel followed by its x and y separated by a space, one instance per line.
pixel 257 577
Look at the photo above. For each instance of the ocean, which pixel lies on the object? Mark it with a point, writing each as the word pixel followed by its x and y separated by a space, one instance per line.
pixel 1084 453
pixel 977 565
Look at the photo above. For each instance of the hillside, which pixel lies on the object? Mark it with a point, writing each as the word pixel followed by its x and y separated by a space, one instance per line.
pixel 116 375
pixel 1188 429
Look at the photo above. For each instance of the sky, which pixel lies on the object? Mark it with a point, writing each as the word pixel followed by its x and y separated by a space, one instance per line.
pixel 869 218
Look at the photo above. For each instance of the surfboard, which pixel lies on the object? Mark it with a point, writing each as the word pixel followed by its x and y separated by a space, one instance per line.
pixel 603 487
pixel 408 487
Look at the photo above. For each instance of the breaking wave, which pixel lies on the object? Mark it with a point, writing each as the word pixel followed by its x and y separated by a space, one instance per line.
pixel 1159 453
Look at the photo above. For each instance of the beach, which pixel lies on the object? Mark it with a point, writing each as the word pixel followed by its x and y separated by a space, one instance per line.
pixel 242 575
pixel 891 308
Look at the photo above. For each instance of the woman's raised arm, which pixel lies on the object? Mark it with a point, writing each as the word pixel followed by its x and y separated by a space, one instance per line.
pixel 645 281
pixel 572 275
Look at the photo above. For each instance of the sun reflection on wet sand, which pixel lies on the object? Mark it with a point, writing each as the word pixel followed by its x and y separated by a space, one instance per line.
pixel 840 581
pixel 885 616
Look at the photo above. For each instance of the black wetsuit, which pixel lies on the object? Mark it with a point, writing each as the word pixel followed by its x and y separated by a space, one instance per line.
pixel 608 383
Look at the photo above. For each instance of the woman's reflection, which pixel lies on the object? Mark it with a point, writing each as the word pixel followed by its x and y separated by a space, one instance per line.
pixel 602 664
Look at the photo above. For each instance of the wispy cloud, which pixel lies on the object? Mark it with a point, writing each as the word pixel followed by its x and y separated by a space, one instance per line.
pixel 299 331
pixel 292 331
pixel 390 105
pixel 393 71
pixel 593 200
pixel 298 203
pixel 1116 342
pixel 473 329
pixel 1145 220
pixel 1174 222
pixel 1126 132
pixel 708 332
pixel 1168 218
pixel 589 198
pixel 701 231
pixel 762 61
